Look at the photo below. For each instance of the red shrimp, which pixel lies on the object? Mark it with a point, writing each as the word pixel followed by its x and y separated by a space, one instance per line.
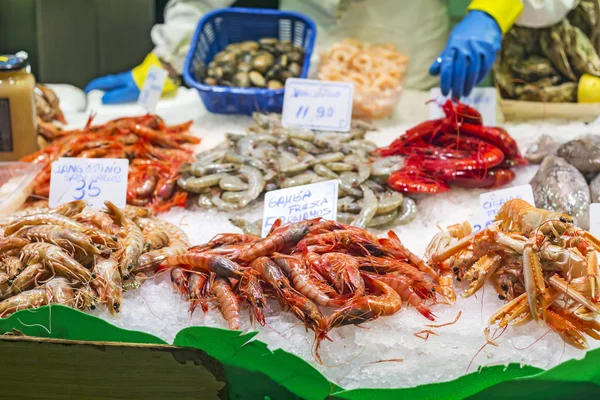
pixel 206 261
pixel 227 301
pixel 250 290
pixel 403 288
pixel 367 308
pixel 313 288
pixel 281 238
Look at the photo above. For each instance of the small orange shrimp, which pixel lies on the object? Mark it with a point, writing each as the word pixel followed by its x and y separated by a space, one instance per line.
pixel 281 238
pixel 403 288
pixel 208 262
pixel 227 301
pixel 367 308
pixel 250 290
pixel 314 289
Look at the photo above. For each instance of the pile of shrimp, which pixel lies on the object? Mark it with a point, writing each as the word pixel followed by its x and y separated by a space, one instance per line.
pixel 155 152
pixel 270 156
pixel 313 268
pixel 78 257
pixel 376 70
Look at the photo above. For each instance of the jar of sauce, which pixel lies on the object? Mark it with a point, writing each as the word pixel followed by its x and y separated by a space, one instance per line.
pixel 18 130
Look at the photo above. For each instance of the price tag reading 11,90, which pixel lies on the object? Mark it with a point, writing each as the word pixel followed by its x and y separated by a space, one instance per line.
pixel 319 105
pixel 89 179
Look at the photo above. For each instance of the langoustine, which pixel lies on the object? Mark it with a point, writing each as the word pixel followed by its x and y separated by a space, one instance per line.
pixel 539 261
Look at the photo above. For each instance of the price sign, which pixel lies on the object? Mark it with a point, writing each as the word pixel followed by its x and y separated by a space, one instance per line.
pixel 320 105
pixel 483 100
pixel 90 179
pixel 153 87
pixel 299 203
pixel 491 202
pixel 595 219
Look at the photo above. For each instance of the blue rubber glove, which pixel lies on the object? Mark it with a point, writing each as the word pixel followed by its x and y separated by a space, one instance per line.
pixel 120 88
pixel 469 54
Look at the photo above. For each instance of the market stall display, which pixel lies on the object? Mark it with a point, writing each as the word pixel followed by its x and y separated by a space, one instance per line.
pixel 542 264
pixel 456 150
pixel 155 152
pixel 376 70
pixel 78 257
pixel 235 173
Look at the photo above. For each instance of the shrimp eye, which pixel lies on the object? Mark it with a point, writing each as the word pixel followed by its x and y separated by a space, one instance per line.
pixel 92 307
pixel 566 220
pixel 93 275
pixel 504 287
pixel 458 279
pixel 116 306
pixel 501 297
pixel 455 269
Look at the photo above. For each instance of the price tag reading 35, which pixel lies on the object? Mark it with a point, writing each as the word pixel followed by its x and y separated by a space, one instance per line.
pixel 320 105
pixel 92 180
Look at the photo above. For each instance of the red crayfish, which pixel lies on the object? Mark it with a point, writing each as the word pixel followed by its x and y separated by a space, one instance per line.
pixel 455 150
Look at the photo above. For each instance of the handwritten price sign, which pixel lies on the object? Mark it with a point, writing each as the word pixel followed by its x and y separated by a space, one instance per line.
pixel 93 180
pixel 320 105
pixel 483 100
pixel 491 202
pixel 299 203
pixel 152 89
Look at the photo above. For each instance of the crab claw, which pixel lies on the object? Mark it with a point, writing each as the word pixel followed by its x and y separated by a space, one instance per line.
pixel 569 290
pixel 479 272
pixel 534 281
pixel 593 273
pixel 559 323
pixel 514 311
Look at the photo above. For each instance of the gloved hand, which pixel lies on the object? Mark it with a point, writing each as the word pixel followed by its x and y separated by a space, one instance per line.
pixel 120 88
pixel 469 54
pixel 125 86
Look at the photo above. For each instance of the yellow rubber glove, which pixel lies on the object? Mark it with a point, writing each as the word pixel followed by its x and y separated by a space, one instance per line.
pixel 505 12
pixel 588 89
pixel 125 87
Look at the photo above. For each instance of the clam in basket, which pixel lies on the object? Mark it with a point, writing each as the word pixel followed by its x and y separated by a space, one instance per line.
pixel 223 27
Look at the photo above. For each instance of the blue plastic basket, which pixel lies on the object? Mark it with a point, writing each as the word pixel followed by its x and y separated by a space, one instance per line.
pixel 221 27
